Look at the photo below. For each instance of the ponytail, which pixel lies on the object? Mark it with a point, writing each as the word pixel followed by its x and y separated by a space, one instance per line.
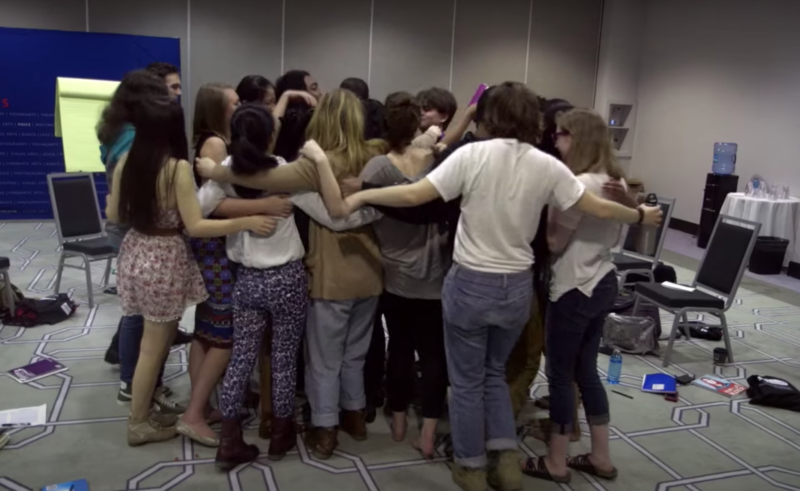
pixel 252 130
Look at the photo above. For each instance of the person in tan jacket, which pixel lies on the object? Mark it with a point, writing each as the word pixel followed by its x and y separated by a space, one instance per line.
pixel 345 271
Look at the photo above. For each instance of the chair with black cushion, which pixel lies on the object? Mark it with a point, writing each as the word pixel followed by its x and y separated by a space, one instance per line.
pixel 5 264
pixel 80 226
pixel 715 283
pixel 629 261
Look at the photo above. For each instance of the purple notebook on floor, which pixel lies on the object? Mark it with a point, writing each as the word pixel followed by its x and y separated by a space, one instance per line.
pixel 42 368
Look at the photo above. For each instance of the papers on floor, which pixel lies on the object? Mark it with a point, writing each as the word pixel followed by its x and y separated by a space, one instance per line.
pixel 26 416
pixel 675 286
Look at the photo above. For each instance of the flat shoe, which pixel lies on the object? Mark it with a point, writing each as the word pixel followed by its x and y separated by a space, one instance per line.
pixel 535 467
pixel 187 431
pixel 581 463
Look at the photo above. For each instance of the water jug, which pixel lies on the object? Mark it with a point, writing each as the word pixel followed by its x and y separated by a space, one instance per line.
pixel 647 238
pixel 724 158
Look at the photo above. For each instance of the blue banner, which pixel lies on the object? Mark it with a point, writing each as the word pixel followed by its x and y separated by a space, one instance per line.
pixel 31 61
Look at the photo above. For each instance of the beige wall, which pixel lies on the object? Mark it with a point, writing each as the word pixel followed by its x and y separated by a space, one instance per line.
pixel 395 45
pixel 717 70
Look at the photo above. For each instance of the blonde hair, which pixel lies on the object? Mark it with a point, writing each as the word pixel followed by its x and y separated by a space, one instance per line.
pixel 590 150
pixel 338 127
pixel 209 112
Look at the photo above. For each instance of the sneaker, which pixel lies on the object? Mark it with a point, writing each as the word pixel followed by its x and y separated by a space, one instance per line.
pixel 165 420
pixel 164 405
pixel 504 472
pixel 148 431
pixel 124 395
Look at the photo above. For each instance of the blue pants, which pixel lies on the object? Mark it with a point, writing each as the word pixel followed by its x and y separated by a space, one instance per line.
pixel 484 314
pixel 573 330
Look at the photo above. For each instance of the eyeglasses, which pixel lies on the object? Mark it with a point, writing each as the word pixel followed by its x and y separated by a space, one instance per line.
pixel 559 134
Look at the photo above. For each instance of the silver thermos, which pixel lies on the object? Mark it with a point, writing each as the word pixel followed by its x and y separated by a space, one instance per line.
pixel 648 234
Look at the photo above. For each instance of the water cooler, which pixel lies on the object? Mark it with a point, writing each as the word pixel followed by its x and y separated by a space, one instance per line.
pixel 719 183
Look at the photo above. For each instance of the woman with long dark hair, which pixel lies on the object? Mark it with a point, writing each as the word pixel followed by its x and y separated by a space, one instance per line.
pixel 211 348
pixel 116 132
pixel 583 291
pixel 153 193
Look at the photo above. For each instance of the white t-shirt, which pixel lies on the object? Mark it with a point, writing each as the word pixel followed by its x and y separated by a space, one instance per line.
pixel 280 247
pixel 503 184
pixel 587 258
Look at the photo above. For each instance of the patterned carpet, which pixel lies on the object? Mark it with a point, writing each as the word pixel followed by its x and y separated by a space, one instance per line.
pixel 704 442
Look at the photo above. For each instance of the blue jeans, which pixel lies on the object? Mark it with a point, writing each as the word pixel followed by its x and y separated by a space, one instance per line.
pixel 484 314
pixel 573 330
pixel 131 329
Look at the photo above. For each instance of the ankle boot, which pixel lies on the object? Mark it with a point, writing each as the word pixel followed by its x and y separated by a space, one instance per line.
pixel 232 449
pixel 354 423
pixel 284 437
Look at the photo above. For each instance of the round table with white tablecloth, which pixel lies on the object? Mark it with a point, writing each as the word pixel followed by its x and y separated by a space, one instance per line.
pixel 778 218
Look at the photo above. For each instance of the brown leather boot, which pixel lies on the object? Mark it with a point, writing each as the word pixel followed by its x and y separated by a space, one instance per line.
pixel 321 442
pixel 354 423
pixel 232 449
pixel 284 437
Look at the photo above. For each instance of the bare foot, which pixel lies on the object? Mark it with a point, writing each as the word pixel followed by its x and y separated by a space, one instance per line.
pixel 426 445
pixel 399 426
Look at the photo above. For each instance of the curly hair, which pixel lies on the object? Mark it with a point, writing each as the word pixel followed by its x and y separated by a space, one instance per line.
pixel 137 86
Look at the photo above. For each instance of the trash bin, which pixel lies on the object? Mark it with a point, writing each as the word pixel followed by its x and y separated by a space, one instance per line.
pixel 768 254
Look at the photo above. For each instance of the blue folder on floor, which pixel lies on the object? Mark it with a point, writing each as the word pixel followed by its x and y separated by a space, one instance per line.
pixel 659 383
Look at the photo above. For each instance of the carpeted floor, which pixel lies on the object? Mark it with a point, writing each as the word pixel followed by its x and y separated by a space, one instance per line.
pixel 704 442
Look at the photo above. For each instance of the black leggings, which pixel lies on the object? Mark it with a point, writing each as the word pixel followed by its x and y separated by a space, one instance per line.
pixel 415 325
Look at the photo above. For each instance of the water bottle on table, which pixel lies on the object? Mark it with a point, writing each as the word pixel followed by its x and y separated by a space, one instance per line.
pixel 614 367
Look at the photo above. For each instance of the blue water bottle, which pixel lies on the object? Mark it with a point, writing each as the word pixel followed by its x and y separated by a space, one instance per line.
pixel 724 158
pixel 614 367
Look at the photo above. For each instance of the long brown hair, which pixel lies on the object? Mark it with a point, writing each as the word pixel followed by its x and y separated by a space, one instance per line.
pixel 160 137
pixel 209 113
pixel 591 148
pixel 338 127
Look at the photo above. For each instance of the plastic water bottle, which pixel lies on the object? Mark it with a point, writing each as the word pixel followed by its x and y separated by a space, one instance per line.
pixel 614 367
pixel 724 158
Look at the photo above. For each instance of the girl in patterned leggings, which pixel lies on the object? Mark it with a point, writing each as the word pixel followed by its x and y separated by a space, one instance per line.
pixel 271 288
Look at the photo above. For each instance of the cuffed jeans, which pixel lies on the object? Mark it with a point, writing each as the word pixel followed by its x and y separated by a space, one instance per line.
pixel 484 314
pixel 338 336
pixel 574 327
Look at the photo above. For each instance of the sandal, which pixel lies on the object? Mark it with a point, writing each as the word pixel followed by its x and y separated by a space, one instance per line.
pixel 582 463
pixel 535 467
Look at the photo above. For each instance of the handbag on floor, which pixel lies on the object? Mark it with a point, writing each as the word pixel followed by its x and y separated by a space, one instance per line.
pixel 31 312
pixel 773 392
pixel 635 335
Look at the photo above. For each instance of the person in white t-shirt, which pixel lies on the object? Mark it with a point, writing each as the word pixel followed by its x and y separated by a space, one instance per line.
pixel 582 292
pixel 503 183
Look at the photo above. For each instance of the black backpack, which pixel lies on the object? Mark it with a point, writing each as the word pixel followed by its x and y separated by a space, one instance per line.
pixel 773 392
pixel 30 312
